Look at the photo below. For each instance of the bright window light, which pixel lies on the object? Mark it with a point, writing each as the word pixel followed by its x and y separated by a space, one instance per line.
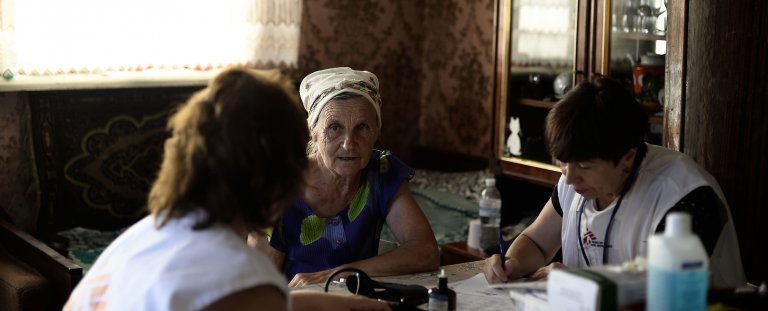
pixel 76 36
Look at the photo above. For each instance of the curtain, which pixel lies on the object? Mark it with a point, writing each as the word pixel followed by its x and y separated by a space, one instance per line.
pixel 41 37
pixel 543 32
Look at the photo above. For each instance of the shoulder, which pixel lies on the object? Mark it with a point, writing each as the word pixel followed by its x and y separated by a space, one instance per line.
pixel 666 177
pixel 171 256
pixel 565 194
pixel 386 163
pixel 266 297
pixel 205 259
pixel 670 170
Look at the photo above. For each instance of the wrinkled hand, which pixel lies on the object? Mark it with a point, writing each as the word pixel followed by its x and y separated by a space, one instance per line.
pixel 302 279
pixel 543 272
pixel 493 270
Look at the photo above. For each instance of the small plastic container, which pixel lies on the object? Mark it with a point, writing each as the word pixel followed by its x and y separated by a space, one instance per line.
pixel 442 298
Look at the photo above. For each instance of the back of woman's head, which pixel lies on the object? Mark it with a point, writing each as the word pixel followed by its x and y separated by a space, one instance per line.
pixel 599 119
pixel 237 150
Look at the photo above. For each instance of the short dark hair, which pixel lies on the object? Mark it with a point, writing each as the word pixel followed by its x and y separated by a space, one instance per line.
pixel 597 119
pixel 236 152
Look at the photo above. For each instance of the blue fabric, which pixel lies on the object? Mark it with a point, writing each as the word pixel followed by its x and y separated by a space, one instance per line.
pixel 312 243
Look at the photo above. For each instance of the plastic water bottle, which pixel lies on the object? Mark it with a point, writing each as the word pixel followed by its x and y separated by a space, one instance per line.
pixel 490 203
pixel 677 267
pixel 490 215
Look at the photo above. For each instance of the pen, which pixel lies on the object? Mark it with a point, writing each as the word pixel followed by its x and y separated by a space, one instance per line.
pixel 501 250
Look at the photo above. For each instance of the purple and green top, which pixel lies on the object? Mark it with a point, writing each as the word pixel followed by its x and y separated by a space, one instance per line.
pixel 311 243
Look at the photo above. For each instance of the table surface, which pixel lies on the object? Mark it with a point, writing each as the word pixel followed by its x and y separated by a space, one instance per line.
pixel 458 252
pixel 457 272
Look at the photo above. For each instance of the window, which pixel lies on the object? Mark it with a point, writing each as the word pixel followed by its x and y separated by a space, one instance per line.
pixel 543 33
pixel 45 37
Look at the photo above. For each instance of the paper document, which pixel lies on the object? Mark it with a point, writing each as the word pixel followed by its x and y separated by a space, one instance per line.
pixel 529 300
pixel 475 294
pixel 534 285
pixel 570 292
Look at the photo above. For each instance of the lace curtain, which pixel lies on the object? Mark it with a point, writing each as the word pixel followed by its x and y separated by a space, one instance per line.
pixel 91 36
pixel 543 32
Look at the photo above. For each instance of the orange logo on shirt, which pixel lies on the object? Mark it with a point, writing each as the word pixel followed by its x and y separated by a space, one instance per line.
pixel 90 292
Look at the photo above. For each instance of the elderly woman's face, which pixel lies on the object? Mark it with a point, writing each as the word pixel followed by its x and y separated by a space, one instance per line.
pixel 345 134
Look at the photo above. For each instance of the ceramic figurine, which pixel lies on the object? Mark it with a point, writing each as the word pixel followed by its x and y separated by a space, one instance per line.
pixel 513 141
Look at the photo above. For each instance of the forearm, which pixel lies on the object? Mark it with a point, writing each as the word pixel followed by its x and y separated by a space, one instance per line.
pixel 411 257
pixel 318 301
pixel 525 256
pixel 308 300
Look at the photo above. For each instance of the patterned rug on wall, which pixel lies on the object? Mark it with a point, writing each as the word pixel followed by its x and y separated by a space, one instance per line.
pixel 97 153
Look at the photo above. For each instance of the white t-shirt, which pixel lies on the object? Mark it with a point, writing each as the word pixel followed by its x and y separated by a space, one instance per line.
pixel 664 177
pixel 172 268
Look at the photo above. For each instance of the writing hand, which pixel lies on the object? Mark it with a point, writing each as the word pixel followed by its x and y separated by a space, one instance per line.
pixel 494 269
pixel 543 272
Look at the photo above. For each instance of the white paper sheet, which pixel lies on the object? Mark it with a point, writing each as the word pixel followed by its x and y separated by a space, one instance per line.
pixel 571 292
pixel 475 294
pixel 533 285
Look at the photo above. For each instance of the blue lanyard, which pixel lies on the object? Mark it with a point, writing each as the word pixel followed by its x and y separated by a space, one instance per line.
pixel 630 181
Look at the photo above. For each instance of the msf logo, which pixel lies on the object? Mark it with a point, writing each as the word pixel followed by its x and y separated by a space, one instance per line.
pixel 590 239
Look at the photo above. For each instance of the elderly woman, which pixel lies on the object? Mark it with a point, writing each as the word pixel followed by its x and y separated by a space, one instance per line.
pixel 350 190
pixel 215 185
pixel 615 191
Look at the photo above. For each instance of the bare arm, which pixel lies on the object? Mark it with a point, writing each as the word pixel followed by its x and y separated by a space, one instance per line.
pixel 312 300
pixel 265 297
pixel 268 297
pixel 259 242
pixel 530 251
pixel 417 251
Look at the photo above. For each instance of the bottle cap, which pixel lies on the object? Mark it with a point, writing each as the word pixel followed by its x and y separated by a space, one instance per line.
pixel 490 182
pixel 678 224
pixel 442 274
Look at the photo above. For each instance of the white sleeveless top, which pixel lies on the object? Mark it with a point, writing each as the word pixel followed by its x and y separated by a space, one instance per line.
pixel 664 177
pixel 172 268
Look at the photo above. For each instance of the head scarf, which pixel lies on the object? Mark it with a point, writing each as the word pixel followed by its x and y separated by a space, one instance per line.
pixel 319 87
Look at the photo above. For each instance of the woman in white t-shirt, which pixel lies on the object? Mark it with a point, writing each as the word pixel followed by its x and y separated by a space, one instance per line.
pixel 615 192
pixel 234 161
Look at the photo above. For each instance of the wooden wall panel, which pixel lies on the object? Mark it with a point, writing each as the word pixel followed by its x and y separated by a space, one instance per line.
pixel 725 113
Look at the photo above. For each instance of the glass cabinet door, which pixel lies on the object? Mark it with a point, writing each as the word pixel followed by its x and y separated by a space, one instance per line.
pixel 537 45
pixel 637 53
pixel 545 46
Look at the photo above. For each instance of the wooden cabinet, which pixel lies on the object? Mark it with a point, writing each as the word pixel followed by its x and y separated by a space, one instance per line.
pixel 545 47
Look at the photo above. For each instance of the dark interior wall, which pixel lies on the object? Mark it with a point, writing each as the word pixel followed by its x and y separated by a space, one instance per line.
pixel 457 93
pixel 97 152
pixel 434 59
pixel 19 195
pixel 81 157
pixel 725 113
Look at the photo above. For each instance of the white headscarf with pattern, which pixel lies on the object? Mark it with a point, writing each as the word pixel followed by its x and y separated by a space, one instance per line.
pixel 319 87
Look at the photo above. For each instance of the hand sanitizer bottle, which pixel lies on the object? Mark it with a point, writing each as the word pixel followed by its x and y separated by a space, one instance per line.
pixel 677 267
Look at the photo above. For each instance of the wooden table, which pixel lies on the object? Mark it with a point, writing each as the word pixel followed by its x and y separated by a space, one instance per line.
pixel 459 252
pixel 456 272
